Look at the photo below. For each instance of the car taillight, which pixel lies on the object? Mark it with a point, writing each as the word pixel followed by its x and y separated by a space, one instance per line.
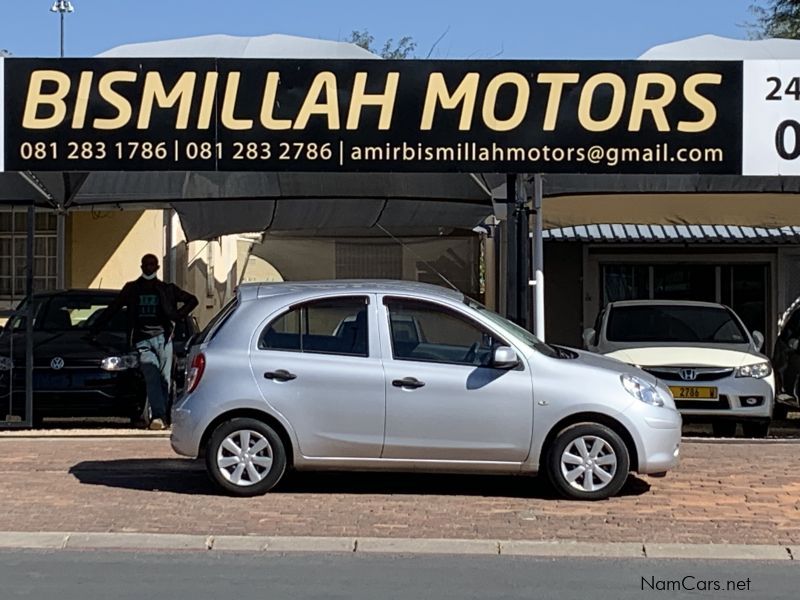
pixel 195 372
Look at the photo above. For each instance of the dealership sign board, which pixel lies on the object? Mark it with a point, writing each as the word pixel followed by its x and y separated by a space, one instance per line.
pixel 378 116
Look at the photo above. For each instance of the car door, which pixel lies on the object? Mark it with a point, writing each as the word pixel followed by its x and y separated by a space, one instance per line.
pixel 318 363
pixel 443 401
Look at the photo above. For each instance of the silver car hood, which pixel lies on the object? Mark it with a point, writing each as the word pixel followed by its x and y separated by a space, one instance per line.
pixel 607 363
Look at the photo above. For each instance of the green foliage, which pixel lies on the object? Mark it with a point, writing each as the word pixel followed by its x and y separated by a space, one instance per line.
pixel 776 19
pixel 402 49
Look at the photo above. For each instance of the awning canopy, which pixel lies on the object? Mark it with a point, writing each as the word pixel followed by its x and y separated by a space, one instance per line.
pixel 238 202
pixel 681 199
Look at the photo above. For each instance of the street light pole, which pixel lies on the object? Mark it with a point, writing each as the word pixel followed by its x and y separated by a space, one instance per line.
pixel 62 7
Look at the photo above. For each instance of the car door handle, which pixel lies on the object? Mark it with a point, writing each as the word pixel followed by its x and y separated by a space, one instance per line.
pixel 280 375
pixel 408 382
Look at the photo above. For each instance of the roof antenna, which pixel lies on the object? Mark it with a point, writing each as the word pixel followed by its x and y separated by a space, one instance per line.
pixel 425 262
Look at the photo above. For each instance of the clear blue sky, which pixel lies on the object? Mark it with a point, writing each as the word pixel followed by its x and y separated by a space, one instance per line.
pixel 481 29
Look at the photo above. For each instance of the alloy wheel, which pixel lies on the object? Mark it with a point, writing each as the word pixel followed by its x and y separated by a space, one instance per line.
pixel 244 457
pixel 588 463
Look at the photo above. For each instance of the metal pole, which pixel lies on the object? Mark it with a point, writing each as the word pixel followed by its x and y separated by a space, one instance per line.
pixel 512 250
pixel 538 259
pixel 62 35
pixel 523 255
pixel 29 319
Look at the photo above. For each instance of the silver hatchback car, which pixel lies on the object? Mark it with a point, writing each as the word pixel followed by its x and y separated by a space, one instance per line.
pixel 391 375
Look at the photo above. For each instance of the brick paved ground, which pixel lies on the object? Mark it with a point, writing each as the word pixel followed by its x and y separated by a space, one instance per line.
pixel 723 493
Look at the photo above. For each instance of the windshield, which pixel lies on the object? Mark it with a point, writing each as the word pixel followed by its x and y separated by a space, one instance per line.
pixel 510 327
pixel 665 323
pixel 70 312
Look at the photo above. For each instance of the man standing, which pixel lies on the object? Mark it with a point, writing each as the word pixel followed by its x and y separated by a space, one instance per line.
pixel 152 308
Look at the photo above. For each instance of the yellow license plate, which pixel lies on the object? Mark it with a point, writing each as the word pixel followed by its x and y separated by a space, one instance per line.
pixel 682 392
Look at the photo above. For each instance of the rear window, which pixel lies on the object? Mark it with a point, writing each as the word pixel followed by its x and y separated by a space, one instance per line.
pixel 329 326
pixel 216 323
pixel 664 323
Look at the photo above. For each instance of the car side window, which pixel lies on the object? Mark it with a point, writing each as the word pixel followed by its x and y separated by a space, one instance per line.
pixel 422 331
pixel 329 326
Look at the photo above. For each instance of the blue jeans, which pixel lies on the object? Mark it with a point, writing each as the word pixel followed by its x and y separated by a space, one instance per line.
pixel 155 362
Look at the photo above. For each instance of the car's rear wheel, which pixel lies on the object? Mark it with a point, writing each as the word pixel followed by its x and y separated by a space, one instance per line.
pixel 755 429
pixel 588 461
pixel 245 457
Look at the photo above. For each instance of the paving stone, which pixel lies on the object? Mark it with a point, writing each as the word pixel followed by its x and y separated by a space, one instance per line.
pixel 138 485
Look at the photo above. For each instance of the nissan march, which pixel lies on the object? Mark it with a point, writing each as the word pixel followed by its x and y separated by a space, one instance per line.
pixel 330 375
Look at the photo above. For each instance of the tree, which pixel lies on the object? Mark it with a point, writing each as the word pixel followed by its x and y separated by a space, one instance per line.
pixel 776 19
pixel 404 48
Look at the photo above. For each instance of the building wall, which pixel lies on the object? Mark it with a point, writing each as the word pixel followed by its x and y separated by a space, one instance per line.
pixel 563 273
pixel 104 249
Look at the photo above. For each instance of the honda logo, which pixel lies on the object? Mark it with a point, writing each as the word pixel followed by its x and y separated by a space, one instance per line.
pixel 688 374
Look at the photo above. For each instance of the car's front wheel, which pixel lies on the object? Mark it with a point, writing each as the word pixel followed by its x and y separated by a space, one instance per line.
pixel 588 461
pixel 755 429
pixel 245 457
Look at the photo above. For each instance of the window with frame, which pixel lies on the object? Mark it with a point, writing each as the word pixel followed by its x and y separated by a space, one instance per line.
pixel 13 252
pixel 330 326
pixel 440 335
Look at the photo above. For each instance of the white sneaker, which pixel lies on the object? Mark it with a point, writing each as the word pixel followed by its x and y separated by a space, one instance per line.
pixel 157 424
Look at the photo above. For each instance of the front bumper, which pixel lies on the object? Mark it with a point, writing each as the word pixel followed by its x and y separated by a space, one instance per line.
pixel 78 392
pixel 739 397
pixel 660 439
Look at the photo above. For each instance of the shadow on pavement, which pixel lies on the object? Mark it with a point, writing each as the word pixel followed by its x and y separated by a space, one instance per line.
pixel 181 476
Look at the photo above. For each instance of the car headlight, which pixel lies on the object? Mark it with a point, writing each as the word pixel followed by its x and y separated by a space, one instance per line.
pixel 119 363
pixel 6 364
pixel 641 389
pixel 758 370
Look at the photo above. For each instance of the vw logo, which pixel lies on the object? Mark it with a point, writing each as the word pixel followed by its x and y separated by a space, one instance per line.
pixel 57 363
pixel 688 374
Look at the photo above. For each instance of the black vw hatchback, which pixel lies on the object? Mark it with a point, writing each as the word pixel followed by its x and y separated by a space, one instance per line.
pixel 75 374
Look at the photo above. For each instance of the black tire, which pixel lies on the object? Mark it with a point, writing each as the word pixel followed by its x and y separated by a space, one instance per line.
pixel 276 451
pixel 563 441
pixel 780 411
pixel 724 428
pixel 755 429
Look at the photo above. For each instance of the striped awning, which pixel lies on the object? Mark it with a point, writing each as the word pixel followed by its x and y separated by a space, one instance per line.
pixel 712 234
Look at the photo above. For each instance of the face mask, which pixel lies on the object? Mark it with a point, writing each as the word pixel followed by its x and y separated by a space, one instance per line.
pixel 149 277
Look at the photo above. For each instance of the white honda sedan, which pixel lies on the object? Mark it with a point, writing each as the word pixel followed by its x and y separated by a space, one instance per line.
pixel 702 351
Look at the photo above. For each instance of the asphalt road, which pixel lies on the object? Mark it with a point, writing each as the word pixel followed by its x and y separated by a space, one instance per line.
pixel 72 575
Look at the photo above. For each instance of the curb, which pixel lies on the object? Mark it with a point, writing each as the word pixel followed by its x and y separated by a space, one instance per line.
pixel 77 434
pixel 373 545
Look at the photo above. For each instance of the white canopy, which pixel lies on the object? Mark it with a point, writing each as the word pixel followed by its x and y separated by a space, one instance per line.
pixel 714 47
pixel 228 46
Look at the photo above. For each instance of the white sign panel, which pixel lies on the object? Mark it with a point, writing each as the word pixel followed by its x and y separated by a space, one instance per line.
pixel 771 117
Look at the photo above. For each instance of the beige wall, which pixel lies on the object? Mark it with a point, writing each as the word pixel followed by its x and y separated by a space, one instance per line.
pixel 104 248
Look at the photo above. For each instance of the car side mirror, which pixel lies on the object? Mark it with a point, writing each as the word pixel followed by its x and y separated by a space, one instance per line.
pixel 504 357
pixel 758 339
pixel 588 337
